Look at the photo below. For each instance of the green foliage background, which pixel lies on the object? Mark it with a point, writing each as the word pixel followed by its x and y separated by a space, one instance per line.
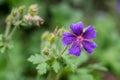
pixel 100 13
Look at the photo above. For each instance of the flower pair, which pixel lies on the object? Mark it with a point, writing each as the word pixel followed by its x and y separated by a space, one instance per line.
pixel 80 38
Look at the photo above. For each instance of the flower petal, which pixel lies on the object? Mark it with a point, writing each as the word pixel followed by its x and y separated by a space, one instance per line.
pixel 89 32
pixel 89 45
pixel 68 38
pixel 75 49
pixel 77 28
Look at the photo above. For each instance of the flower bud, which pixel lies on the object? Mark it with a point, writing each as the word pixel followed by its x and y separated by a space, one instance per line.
pixel 33 10
pixel 46 51
pixel 28 18
pixel 51 37
pixel 21 9
pixel 16 15
pixel 45 35
pixel 9 19
pixel 60 31
pixel 38 20
pixel 14 12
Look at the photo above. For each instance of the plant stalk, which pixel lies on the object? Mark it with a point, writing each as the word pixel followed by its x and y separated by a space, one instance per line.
pixel 37 77
pixel 63 50
pixel 51 76
pixel 11 64
pixel 7 30
pixel 12 32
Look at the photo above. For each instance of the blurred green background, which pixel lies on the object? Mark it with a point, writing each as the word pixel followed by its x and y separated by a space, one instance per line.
pixel 103 14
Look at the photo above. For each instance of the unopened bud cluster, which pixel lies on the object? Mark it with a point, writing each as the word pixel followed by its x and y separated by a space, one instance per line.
pixel 33 17
pixel 13 17
pixel 52 39
pixel 48 36
pixel 19 14
pixel 51 52
pixel 19 17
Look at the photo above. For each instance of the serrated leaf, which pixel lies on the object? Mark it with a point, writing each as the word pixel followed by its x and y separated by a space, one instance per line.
pixel 56 66
pixel 37 58
pixel 73 61
pixel 42 68
pixel 69 62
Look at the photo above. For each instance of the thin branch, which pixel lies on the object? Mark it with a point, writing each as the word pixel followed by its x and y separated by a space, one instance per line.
pixel 7 30
pixel 12 32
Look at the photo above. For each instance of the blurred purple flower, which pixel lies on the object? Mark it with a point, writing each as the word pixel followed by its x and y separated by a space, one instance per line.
pixel 118 6
pixel 80 38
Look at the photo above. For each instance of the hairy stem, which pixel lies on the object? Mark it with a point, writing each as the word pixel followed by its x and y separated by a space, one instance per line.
pixel 12 32
pixel 7 30
pixel 11 64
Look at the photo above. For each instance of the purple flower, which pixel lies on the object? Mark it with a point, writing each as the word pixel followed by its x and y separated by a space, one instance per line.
pixel 80 38
pixel 118 6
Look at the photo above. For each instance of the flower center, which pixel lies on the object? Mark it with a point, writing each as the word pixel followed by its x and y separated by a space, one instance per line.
pixel 79 38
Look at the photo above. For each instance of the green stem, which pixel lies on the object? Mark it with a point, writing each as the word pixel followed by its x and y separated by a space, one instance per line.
pixel 12 32
pixel 54 76
pixel 58 75
pixel 51 76
pixel 37 77
pixel 7 30
pixel 63 50
pixel 12 68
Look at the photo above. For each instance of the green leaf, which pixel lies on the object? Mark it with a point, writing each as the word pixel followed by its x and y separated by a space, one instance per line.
pixel 36 59
pixel 98 67
pixel 83 71
pixel 56 66
pixel 81 77
pixel 74 61
pixel 116 67
pixel 42 68
pixel 69 62
pixel 2 49
pixel 1 37
pixel 86 77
